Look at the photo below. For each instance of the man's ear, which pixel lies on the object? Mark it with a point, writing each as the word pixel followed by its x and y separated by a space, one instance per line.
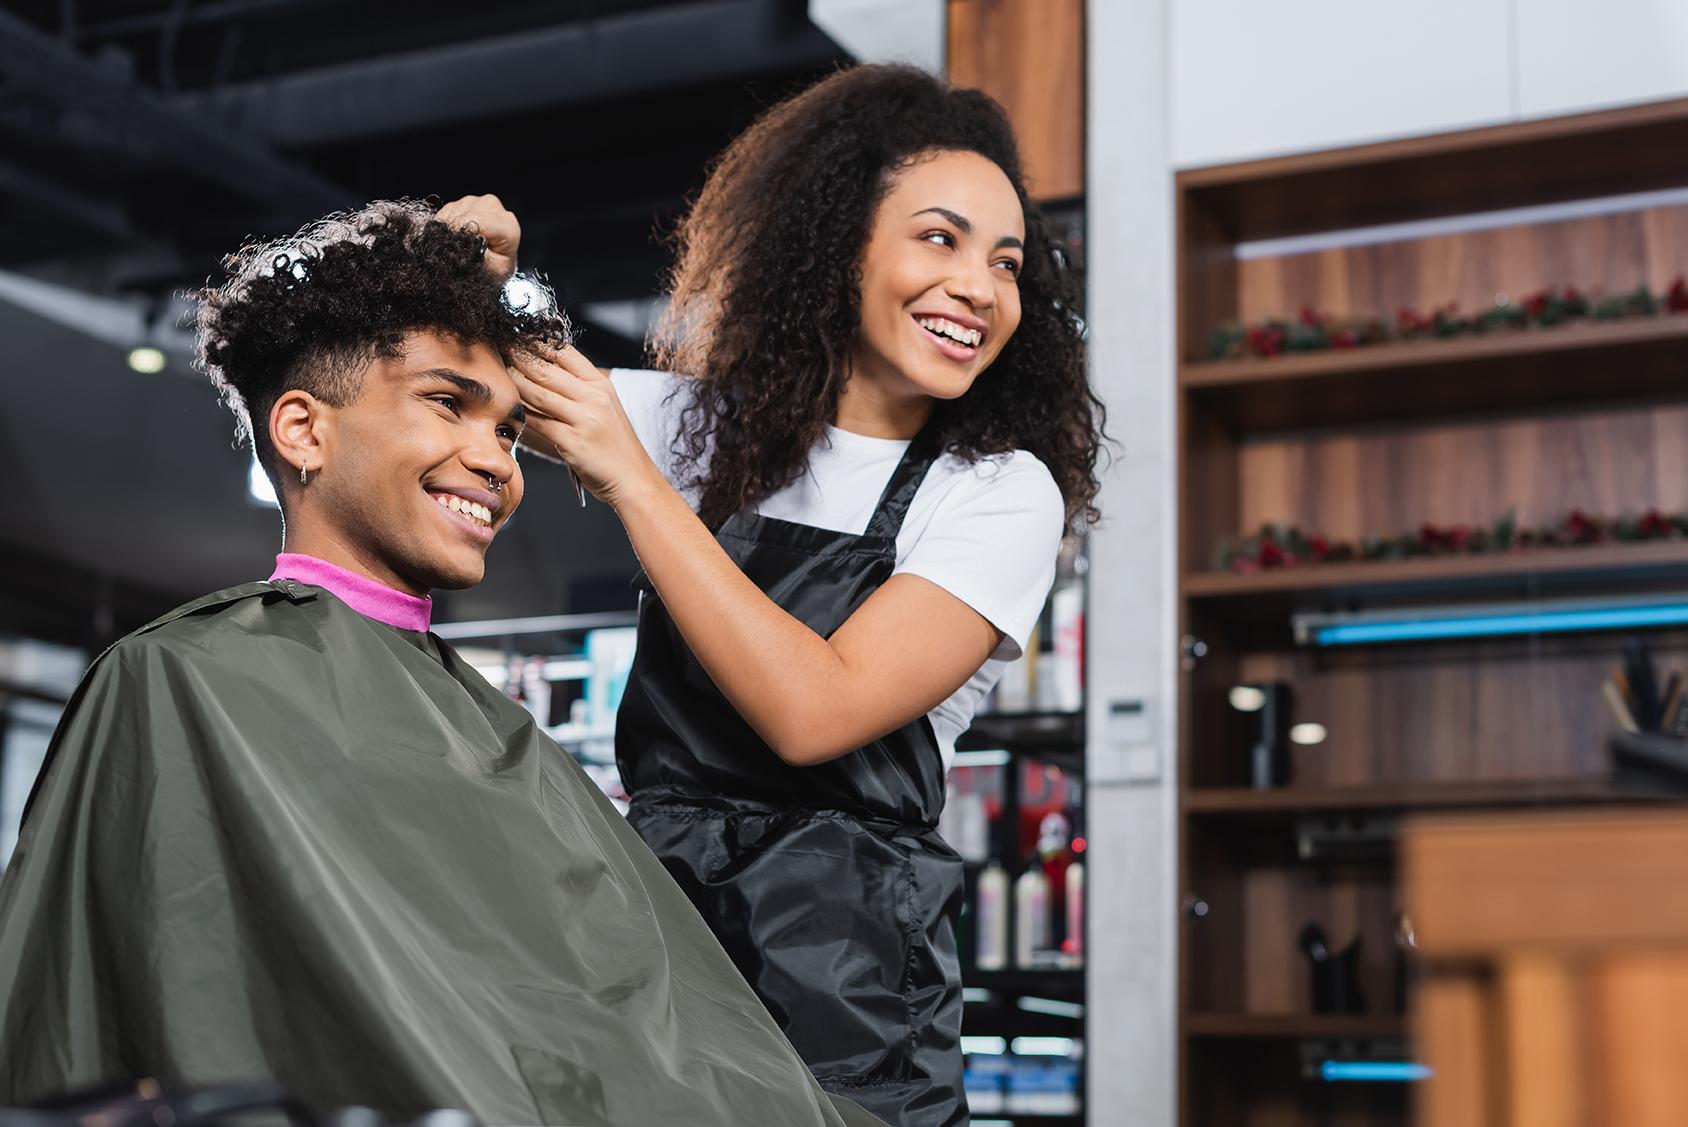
pixel 299 425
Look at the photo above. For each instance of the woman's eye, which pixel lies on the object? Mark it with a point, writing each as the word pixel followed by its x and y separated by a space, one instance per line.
pixel 1011 266
pixel 509 433
pixel 449 402
pixel 939 238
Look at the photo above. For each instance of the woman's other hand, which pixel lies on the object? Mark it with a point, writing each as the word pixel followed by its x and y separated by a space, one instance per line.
pixel 491 220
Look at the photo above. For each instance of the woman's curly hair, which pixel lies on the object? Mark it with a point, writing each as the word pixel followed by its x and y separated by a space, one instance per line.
pixel 765 298
pixel 313 310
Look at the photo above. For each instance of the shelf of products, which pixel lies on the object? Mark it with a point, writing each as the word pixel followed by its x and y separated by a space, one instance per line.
pixel 1292 941
pixel 1015 814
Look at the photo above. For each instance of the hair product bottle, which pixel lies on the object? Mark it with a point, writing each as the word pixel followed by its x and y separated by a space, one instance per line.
pixel 1031 916
pixel 991 920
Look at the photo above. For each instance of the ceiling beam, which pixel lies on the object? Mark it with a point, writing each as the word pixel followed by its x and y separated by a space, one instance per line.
pixel 32 59
pixel 88 212
pixel 547 66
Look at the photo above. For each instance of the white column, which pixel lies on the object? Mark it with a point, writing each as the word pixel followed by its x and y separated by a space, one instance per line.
pixel 1132 619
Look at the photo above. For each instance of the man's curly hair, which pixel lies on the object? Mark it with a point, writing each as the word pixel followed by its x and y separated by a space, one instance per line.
pixel 313 310
pixel 765 296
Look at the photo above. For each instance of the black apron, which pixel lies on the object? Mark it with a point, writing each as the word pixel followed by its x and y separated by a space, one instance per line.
pixel 828 886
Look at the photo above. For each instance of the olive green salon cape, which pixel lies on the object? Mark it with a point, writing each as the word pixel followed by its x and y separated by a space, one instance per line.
pixel 276 840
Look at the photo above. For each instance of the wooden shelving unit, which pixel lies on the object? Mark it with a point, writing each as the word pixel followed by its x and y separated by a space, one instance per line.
pixel 1616 565
pixel 1526 368
pixel 1247 803
pixel 1376 441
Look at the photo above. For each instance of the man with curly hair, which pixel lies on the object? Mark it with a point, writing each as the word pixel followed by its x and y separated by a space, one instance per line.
pixel 285 834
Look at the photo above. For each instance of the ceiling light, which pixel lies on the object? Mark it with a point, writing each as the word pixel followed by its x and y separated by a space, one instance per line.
pixel 146 360
pixel 1308 734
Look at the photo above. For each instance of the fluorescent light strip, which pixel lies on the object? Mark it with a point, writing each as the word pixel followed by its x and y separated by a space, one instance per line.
pixel 543 624
pixel 976 995
pixel 990 758
pixel 1386 1071
pixel 1043 1046
pixel 1052 1007
pixel 1501 625
pixel 557 669
pixel 984 1046
pixel 1459 224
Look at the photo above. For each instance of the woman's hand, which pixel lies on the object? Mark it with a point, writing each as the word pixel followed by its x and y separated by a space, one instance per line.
pixel 491 220
pixel 575 417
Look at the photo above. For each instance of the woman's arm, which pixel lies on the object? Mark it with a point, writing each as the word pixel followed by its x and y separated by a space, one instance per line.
pixel 906 649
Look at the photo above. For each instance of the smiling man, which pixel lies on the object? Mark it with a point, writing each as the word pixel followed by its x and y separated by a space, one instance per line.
pixel 285 834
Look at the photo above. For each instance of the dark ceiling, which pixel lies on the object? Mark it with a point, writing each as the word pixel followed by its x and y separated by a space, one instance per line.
pixel 141 139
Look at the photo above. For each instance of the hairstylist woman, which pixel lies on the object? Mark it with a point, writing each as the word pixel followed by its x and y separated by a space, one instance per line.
pixel 848 512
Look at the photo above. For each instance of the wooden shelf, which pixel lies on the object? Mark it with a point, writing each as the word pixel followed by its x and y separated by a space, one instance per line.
pixel 1645 359
pixel 1625 567
pixel 1580 156
pixel 1244 802
pixel 1294 1026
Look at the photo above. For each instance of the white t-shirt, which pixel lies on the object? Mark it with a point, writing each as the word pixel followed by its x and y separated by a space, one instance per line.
pixel 987 532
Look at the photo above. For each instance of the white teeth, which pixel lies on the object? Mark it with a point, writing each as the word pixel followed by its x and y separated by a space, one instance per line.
pixel 948 328
pixel 472 509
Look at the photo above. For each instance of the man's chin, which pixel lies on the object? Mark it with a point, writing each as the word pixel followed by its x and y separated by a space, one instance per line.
pixel 455 575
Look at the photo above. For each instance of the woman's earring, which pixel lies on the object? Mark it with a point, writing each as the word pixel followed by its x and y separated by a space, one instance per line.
pixel 304 479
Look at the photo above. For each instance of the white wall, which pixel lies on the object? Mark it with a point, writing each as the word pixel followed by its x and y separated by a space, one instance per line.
pixel 1131 624
pixel 1255 78
pixel 885 31
pixel 1574 56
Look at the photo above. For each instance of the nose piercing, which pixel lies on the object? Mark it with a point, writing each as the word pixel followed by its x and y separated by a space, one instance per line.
pixel 494 484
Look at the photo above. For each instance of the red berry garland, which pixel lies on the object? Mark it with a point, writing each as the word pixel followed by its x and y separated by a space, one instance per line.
pixel 1315 331
pixel 1280 546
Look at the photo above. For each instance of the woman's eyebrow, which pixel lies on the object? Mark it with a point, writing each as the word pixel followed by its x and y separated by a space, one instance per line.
pixel 962 223
pixel 965 226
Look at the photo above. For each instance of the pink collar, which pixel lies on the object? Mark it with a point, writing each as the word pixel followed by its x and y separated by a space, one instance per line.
pixel 362 594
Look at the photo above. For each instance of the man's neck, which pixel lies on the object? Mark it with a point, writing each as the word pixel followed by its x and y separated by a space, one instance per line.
pixel 301 538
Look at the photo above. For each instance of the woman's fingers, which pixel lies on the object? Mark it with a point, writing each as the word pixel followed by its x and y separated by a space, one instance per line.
pixel 544 387
pixel 494 222
pixel 571 360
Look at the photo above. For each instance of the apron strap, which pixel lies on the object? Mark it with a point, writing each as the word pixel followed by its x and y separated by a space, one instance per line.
pixel 905 482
